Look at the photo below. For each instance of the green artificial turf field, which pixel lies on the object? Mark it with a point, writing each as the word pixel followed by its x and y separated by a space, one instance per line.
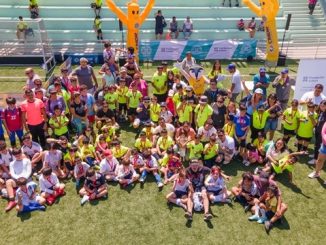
pixel 142 216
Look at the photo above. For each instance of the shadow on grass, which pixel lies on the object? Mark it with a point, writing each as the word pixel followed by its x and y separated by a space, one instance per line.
pixel 292 186
pixel 321 182
pixel 282 224
pixel 24 216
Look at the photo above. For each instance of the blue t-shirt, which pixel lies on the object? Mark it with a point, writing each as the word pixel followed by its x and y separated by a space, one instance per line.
pixel 241 122
pixel 264 80
pixel 1 117
pixel 90 102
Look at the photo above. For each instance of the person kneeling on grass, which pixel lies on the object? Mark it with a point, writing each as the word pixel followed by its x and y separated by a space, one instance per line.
pixel 150 166
pixel 50 186
pixel 216 187
pixel 94 187
pixel 181 191
pixel 126 173
pixel 26 197
pixel 270 208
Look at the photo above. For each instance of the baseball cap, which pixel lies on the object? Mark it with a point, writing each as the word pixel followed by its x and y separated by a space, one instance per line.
pixel 259 91
pixel 262 69
pixel 107 153
pixel 163 104
pixel 203 99
pixel 52 90
pixel 123 69
pixel 231 66
pixel 171 92
pixel 146 98
pixel 285 71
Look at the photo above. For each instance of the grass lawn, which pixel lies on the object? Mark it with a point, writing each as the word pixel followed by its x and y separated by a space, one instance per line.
pixel 142 216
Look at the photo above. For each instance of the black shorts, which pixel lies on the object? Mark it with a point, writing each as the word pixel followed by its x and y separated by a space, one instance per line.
pixel 99 31
pixel 311 6
pixel 304 138
pixel 161 97
pixel 288 132
pixel 158 31
pixel 132 111
pixel 69 166
pixel 242 143
pixel 122 107
pixel 173 30
pixel 33 6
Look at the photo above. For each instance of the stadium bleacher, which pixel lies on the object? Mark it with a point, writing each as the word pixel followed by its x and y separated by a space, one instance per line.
pixel 73 20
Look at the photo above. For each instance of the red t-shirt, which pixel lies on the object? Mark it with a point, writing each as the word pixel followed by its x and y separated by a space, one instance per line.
pixel 170 105
pixel 33 111
pixel 13 119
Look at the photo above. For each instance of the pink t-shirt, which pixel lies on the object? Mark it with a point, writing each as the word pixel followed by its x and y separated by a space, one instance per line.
pixel 33 111
pixel 143 87
pixel 323 134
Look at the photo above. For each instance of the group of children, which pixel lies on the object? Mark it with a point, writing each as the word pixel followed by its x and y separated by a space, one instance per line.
pixel 174 127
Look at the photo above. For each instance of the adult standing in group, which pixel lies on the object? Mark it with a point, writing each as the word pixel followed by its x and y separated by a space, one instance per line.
pixel 235 81
pixel 282 84
pixel 261 80
pixel 159 25
pixel 212 92
pixel 188 62
pixel 34 117
pixel 86 75
pixel 321 157
pixel 31 77
pixel 159 83
pixel 315 96
pixel 321 110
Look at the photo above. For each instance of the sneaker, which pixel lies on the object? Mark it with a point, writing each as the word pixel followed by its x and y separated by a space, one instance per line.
pixel 188 216
pixel 247 208
pixel 141 180
pixel 268 226
pixel 312 162
pixel 311 155
pixel 253 218
pixel 160 185
pixel 228 201
pixel 84 200
pixel 208 216
pixel 11 205
pixel 313 175
pixel 257 170
pixel 261 220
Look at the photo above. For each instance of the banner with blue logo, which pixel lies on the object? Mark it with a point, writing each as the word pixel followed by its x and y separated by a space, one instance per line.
pixel 202 50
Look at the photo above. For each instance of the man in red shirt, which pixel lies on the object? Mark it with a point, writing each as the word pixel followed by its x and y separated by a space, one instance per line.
pixel 34 117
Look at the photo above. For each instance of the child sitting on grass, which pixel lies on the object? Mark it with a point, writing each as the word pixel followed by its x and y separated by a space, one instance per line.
pixel 80 170
pixel 94 187
pixel 126 173
pixel 181 191
pixel 50 186
pixel 150 166
pixel 252 155
pixel 26 197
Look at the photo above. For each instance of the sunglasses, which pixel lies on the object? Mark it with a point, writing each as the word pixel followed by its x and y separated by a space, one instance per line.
pixel 220 101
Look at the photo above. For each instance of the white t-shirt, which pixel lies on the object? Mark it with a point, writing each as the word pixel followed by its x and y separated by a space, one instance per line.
pixel 151 163
pixel 206 134
pixel 30 82
pixel 167 115
pixel 47 184
pixel 20 168
pixel 108 167
pixel 310 96
pixel 121 171
pixel 169 128
pixel 174 86
pixel 137 161
pixel 228 142
pixel 26 196
pixel 6 158
pixel 81 168
pixel 31 151
pixel 53 159
pixel 236 80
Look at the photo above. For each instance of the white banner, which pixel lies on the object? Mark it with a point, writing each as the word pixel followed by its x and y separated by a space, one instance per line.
pixel 310 72
pixel 223 49
pixel 168 50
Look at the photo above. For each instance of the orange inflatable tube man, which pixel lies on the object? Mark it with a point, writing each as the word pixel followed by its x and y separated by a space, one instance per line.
pixel 133 19
pixel 268 11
